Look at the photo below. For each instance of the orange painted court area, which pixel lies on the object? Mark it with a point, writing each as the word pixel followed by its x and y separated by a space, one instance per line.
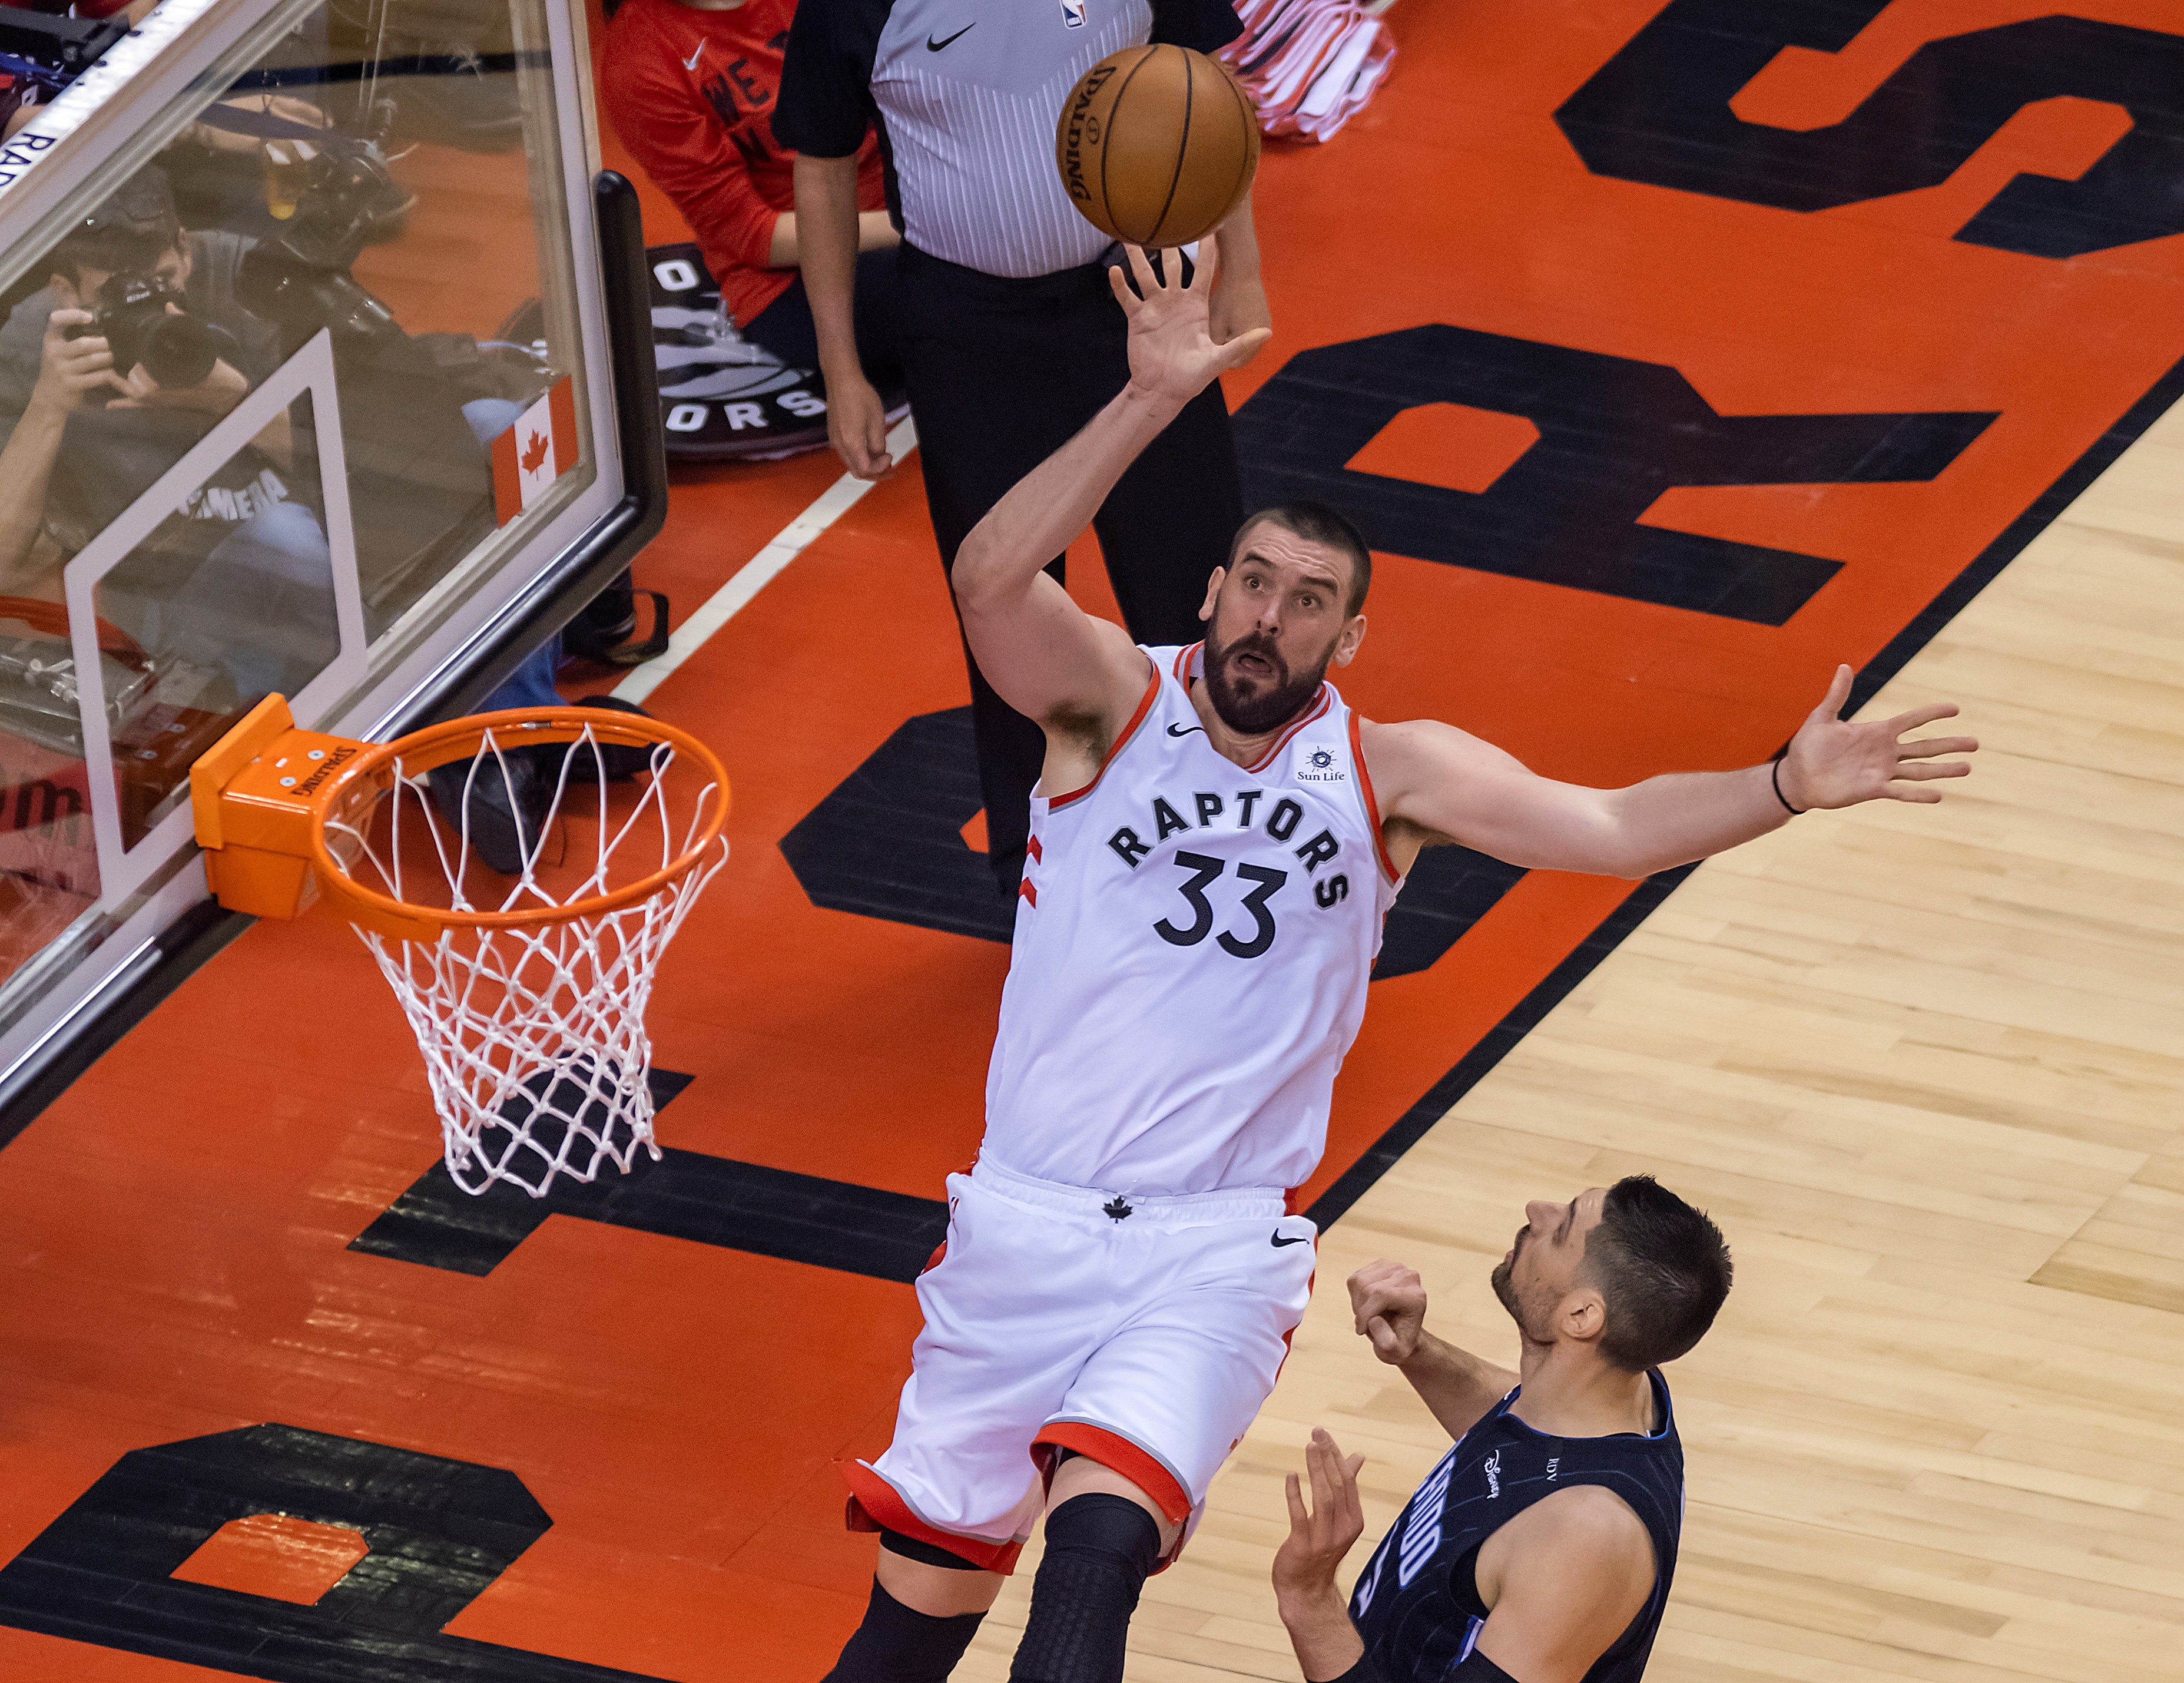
pixel 173 1231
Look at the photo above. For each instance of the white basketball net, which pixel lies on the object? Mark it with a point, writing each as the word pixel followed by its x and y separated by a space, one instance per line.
pixel 534 1036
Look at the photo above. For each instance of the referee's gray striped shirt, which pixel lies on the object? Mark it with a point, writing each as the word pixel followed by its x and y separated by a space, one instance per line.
pixel 966 94
pixel 972 125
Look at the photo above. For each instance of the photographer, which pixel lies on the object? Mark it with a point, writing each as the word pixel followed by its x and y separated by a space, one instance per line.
pixel 690 86
pixel 134 351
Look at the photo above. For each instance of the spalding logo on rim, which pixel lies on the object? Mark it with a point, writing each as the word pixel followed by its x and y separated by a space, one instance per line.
pixel 1073 13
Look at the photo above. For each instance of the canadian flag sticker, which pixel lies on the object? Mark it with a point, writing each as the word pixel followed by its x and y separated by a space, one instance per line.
pixel 537 449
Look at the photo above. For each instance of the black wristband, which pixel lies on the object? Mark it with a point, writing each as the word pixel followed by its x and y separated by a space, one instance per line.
pixel 1774 776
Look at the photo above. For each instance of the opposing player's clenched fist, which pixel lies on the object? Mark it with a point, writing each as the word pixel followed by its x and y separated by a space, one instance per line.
pixel 1389 1302
pixel 1173 353
pixel 1834 761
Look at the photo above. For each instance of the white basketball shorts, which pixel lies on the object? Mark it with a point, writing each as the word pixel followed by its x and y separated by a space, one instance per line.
pixel 1144 1333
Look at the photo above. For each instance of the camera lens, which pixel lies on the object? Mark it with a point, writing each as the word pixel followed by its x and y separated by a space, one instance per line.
pixel 180 350
pixel 135 319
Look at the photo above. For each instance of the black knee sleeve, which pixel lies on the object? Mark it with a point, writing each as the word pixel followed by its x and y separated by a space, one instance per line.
pixel 1100 1550
pixel 898 1644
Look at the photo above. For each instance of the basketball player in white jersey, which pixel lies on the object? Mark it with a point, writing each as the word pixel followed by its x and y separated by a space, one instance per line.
pixel 1215 841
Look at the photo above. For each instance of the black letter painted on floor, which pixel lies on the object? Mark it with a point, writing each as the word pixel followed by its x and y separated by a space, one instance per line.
pixel 1614 434
pixel 685 1195
pixel 1659 112
pixel 439 1531
pixel 889 841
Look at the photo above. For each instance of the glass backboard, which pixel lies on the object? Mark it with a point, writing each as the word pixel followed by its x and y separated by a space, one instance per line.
pixel 307 385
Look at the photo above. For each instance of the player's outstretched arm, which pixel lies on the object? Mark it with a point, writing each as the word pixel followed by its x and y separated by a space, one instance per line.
pixel 1563 1580
pixel 1437 783
pixel 1321 1533
pixel 1388 1303
pixel 1047 658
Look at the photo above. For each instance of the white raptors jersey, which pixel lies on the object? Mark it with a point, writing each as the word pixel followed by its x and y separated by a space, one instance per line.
pixel 1193 944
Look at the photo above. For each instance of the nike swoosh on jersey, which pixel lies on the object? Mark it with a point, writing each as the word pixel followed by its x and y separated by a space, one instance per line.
pixel 1183 730
pixel 932 46
pixel 1280 1241
pixel 691 62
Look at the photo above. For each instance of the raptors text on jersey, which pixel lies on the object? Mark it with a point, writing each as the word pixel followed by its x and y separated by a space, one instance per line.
pixel 1192 950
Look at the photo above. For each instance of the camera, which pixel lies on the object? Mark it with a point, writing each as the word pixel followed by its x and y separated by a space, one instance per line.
pixel 331 196
pixel 134 319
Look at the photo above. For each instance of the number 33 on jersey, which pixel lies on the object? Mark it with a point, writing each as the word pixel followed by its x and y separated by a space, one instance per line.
pixel 1192 949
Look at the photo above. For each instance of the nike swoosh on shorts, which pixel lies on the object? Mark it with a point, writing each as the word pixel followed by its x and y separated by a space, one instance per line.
pixel 932 46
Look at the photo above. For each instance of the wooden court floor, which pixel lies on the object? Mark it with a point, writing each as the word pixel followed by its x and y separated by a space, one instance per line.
pixel 1926 1068
pixel 1672 350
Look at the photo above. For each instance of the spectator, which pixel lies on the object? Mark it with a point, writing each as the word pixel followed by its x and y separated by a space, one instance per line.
pixel 86 437
pixel 690 86
pixel 1012 339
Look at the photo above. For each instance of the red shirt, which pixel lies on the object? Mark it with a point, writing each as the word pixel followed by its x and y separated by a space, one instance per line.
pixel 692 94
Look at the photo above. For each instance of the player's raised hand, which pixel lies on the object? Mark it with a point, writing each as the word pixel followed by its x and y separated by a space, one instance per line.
pixel 1834 761
pixel 1173 352
pixel 1387 1302
pixel 1320 1535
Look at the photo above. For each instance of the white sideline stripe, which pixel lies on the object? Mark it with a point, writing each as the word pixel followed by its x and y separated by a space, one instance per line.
pixel 761 571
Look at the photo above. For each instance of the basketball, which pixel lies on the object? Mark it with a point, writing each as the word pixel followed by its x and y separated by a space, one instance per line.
pixel 1156 145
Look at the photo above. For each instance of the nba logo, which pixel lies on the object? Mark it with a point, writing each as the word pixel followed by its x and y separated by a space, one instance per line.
pixel 1073 13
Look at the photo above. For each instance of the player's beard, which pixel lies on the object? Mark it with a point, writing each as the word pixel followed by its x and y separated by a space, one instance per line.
pixel 1505 1284
pixel 1269 705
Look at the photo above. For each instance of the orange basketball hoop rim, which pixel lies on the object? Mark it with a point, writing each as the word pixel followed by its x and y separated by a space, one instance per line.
pixel 263 797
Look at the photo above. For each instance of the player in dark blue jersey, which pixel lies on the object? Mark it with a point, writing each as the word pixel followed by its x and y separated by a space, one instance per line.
pixel 1541 1547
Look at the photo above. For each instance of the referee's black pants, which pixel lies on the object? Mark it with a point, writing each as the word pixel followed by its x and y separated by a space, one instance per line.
pixel 1002 374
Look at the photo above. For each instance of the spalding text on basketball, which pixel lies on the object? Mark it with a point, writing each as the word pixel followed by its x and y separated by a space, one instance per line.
pixel 1081 129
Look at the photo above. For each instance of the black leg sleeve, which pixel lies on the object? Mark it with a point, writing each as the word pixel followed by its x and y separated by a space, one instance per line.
pixel 897 1644
pixel 1100 1550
